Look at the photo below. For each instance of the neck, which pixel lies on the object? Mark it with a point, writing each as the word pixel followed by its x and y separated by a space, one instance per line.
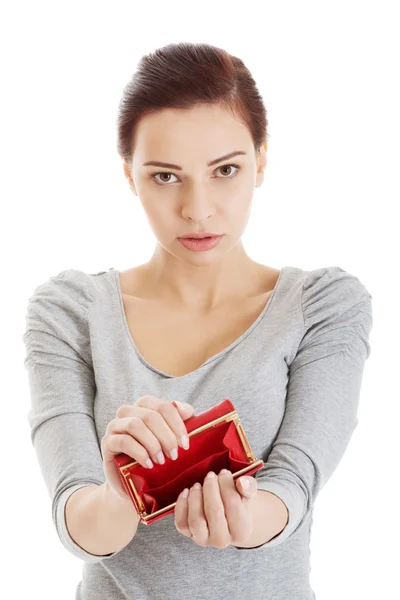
pixel 203 287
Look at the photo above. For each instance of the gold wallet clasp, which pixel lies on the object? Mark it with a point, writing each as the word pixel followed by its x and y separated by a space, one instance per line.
pixel 232 416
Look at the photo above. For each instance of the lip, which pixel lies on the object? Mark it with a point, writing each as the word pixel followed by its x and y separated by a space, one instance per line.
pixel 198 245
pixel 200 235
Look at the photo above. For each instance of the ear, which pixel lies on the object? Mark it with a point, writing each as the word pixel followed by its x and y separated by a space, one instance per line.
pixel 128 175
pixel 261 164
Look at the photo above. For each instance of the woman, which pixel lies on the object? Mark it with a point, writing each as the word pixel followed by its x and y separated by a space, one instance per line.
pixel 199 322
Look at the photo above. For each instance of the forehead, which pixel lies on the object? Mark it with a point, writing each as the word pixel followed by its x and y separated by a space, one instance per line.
pixel 207 130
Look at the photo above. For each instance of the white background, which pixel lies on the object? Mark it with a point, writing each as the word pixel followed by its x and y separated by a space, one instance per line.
pixel 329 75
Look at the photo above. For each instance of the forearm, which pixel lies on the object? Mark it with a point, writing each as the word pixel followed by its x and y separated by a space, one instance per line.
pixel 100 521
pixel 270 517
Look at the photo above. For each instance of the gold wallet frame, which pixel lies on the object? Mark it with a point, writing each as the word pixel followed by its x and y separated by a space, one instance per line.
pixel 232 416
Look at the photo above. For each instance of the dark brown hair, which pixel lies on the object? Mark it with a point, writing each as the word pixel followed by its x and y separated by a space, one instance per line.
pixel 182 76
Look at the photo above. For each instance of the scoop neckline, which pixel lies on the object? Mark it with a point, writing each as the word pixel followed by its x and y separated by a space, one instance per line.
pixel 124 322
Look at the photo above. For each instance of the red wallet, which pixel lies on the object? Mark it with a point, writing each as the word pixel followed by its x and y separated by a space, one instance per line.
pixel 217 441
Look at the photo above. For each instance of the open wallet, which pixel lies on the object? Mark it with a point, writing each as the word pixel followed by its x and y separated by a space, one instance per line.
pixel 217 441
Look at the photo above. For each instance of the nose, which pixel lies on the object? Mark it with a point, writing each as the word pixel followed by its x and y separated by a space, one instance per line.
pixel 197 205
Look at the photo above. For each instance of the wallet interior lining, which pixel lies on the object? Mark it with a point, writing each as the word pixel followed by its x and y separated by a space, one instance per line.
pixel 208 442
pixel 212 450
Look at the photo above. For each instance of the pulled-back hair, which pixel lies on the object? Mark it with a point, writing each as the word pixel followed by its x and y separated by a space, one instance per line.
pixel 185 75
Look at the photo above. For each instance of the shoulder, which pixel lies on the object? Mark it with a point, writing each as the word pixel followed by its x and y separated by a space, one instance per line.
pixel 332 281
pixel 70 283
pixel 56 316
pixel 69 293
pixel 332 287
pixel 332 294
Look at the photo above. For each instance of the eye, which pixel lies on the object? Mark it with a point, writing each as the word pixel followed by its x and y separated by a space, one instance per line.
pixel 154 175
pixel 230 176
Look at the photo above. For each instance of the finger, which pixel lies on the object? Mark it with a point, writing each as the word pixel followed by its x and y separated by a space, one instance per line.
pixel 174 423
pixel 124 442
pixel 219 533
pixel 247 493
pixel 181 515
pixel 139 441
pixel 155 422
pixel 239 519
pixel 185 409
pixel 196 517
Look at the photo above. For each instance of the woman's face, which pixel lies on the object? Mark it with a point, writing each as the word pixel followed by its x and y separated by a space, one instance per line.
pixel 193 196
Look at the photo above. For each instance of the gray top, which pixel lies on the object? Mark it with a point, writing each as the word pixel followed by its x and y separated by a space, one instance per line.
pixel 294 378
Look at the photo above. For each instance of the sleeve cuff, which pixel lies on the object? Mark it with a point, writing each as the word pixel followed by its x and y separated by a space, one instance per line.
pixel 295 504
pixel 63 532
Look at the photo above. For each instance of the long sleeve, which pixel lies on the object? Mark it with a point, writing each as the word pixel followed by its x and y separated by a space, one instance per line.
pixel 323 393
pixel 62 390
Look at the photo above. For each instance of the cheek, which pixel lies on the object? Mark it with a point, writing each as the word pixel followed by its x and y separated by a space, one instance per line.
pixel 159 215
pixel 238 208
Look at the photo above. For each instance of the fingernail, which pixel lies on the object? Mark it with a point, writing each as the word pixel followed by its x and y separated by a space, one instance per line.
pixel 149 463
pixel 184 441
pixel 174 453
pixel 178 404
pixel 185 493
pixel 245 482
pixel 160 458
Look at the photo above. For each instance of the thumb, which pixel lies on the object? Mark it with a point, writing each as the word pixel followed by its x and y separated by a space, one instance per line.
pixel 184 408
pixel 249 491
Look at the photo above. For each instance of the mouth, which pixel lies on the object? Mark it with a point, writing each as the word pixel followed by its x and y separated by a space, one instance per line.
pixel 205 237
pixel 199 236
pixel 201 243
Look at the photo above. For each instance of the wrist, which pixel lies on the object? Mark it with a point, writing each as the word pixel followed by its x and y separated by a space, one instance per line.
pixel 269 517
pixel 115 498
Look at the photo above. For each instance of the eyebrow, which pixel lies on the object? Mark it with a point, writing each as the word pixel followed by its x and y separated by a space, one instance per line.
pixel 213 162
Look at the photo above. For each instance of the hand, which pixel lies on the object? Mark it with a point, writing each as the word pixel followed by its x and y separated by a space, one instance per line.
pixel 143 430
pixel 218 514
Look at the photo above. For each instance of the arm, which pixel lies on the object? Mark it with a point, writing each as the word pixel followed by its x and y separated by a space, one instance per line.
pixel 63 429
pixel 270 517
pixel 99 521
pixel 325 373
